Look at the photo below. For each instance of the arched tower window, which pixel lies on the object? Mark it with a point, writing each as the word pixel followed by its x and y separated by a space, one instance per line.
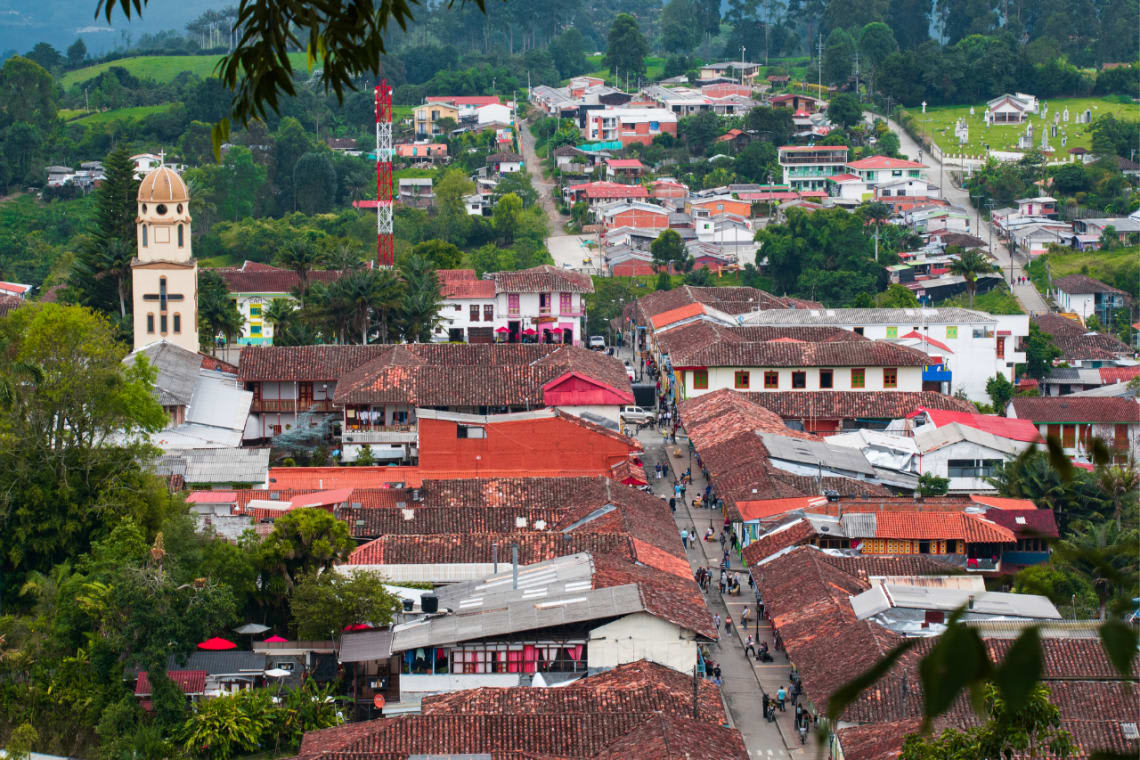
pixel 180 236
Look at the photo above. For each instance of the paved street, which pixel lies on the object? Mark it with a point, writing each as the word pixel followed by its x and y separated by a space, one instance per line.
pixel 1030 299
pixel 742 677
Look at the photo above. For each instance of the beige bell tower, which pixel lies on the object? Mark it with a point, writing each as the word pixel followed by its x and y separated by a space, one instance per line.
pixel 164 275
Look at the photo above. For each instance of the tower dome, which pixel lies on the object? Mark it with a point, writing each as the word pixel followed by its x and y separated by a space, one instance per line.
pixel 163 185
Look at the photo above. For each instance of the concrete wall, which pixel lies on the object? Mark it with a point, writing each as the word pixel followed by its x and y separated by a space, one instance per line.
pixel 937 462
pixel 909 379
pixel 642 636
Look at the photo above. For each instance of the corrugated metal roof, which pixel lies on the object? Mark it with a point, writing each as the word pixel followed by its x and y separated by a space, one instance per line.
pixel 867 317
pixel 804 451
pixel 520 616
pixel 217 465
pixel 366 645
pixel 562 576
pixel 177 371
pixel 859 524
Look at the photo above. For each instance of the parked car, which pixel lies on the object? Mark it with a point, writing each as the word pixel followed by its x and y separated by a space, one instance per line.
pixel 638 415
pixel 597 342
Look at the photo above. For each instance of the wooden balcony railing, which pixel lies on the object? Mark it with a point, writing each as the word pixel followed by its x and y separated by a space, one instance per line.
pixel 292 405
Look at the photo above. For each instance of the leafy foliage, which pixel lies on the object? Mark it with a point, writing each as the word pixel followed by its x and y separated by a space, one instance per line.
pixel 326 604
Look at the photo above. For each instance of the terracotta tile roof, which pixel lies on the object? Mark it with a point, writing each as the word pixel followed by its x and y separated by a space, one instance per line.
pixel 1078 409
pixel 687 339
pixel 933 526
pixel 462 283
pixel 736 300
pixel 666 318
pixel 1077 342
pixel 867 353
pixel 879 741
pixel 572 735
pixel 777 540
pixel 610 190
pixel 880 405
pixel 189 681
pixel 252 277
pixel 636 687
pixel 670 737
pixel 371 523
pixel 543 279
pixel 440 374
pixel 1079 283
pixel 866 566
pixel 1109 375
pixel 1001 502
pixel 306 363
pixel 758 509
pixel 667 596
pixel 883 162
pixel 468 548
pixel 723 427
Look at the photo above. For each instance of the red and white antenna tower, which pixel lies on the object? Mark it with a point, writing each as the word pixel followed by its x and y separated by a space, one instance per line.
pixel 385 244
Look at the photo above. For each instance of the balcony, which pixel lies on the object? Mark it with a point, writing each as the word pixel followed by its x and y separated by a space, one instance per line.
pixel 292 405
pixel 361 434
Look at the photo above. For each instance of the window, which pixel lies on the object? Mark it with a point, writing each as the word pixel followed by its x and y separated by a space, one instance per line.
pixel 890 377
pixel 470 431
pixel 255 310
pixel 513 304
pixel 488 313
pixel 741 380
pixel 144 233
pixel 474 309
pixel 826 378
pixel 859 378
pixel 893 332
pixel 858 330
pixel 951 331
pixel 771 379
pixel 177 323
pixel 543 303
pixel 799 380
pixel 255 330
pixel 972 468
pixel 162 323
pixel 700 379
pixel 565 303
pixel 150 323
pixel 180 236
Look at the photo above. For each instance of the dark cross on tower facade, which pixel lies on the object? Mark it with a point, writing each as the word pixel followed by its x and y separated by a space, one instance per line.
pixel 163 298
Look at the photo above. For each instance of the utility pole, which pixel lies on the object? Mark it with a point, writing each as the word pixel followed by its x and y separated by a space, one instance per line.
pixel 696 687
pixel 742 49
pixel 819 65
pixel 856 72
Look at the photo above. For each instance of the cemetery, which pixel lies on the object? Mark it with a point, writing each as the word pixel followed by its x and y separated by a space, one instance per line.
pixel 1052 125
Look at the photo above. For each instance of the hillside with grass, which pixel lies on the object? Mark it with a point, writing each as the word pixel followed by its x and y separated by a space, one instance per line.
pixel 162 68
pixel 1119 267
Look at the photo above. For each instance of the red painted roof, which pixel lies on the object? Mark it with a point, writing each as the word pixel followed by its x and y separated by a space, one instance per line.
pixel 1003 427
pixel 667 318
pixel 1000 502
pixel 14 287
pixel 927 339
pixel 625 163
pixel 844 178
pixel 212 497
pixel 574 389
pixel 321 498
pixel 884 162
pixel 761 508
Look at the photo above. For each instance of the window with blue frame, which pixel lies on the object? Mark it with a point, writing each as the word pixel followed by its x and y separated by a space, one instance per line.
pixel 654 126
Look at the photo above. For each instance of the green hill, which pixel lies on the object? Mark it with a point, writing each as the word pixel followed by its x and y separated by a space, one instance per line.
pixel 162 68
pixel 105 117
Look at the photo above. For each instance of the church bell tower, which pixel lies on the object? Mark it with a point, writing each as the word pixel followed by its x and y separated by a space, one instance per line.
pixel 164 275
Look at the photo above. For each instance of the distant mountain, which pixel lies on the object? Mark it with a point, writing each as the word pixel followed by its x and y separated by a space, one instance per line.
pixel 23 23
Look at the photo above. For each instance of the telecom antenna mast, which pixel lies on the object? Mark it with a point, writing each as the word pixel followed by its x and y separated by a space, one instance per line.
pixel 385 244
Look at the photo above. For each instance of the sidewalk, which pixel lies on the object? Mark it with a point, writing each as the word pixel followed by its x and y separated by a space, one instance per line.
pixel 741 676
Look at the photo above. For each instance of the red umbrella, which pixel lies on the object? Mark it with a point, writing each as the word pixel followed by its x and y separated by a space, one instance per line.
pixel 556 329
pixel 217 644
pixel 358 627
pixel 501 329
pixel 530 331
pixel 274 640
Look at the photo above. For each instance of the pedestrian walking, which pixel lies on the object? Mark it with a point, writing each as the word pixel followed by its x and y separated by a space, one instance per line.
pixel 716 620
pixel 672 503
pixel 683 488
pixel 685 538
pixel 720 585
pixel 677 492
pixel 722 539
pixel 781 698
pixel 749 646
pixel 799 716
pixel 744 618
pixel 716 672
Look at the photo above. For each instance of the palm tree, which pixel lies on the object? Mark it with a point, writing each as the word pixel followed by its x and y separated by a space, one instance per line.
pixel 116 258
pixel 1120 484
pixel 971 264
pixel 1105 555
pixel 361 294
pixel 281 314
pixel 345 257
pixel 302 257
pixel 419 314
